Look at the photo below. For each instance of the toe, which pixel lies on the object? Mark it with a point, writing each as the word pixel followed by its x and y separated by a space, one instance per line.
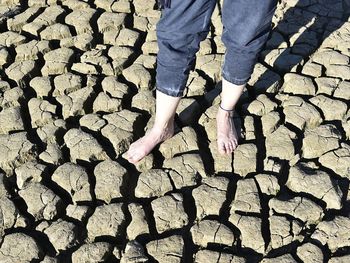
pixel 137 157
pixel 230 147
pixel 125 155
pixel 221 147
pixel 227 148
pixel 130 153
pixel 132 159
pixel 234 144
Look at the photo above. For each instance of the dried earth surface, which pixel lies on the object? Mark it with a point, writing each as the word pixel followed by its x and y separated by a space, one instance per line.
pixel 77 87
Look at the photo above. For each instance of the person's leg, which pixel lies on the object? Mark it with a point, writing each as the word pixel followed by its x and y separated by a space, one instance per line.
pixel 179 32
pixel 247 25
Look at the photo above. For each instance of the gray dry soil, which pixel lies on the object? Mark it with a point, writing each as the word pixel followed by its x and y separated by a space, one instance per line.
pixel 77 87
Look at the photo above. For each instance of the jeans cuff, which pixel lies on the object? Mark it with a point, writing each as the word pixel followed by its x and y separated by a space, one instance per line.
pixel 234 80
pixel 170 92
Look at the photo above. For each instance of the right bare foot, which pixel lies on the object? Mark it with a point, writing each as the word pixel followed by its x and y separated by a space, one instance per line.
pixel 227 138
pixel 143 146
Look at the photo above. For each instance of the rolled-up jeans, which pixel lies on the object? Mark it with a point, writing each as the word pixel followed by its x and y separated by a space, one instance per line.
pixel 181 28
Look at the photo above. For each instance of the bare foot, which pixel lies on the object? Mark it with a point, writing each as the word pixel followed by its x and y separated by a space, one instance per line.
pixel 145 144
pixel 227 138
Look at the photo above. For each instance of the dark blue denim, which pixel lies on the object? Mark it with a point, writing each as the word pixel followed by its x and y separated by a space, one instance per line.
pixel 181 28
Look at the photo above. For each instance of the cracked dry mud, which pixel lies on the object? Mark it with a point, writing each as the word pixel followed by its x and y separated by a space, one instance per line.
pixel 77 87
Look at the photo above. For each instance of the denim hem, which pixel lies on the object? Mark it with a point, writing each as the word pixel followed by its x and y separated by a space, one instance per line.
pixel 169 92
pixel 235 81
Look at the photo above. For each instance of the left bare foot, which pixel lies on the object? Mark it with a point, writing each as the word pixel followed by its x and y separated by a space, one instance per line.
pixel 227 137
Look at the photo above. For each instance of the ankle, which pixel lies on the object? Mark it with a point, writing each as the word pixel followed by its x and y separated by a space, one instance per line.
pixel 225 113
pixel 161 127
